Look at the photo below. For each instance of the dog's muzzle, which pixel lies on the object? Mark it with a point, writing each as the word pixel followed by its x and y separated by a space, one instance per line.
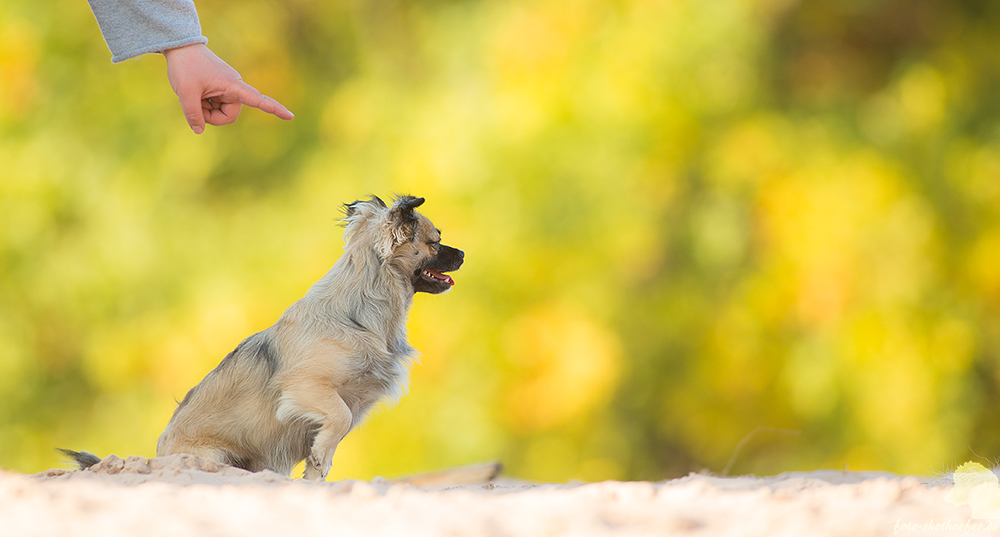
pixel 432 277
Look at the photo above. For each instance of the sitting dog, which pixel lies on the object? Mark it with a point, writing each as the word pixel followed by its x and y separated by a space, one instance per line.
pixel 294 390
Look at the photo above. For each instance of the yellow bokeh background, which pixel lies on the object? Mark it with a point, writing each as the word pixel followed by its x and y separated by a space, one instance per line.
pixel 684 221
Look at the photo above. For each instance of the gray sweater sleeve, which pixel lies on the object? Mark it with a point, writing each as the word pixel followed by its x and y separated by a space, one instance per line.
pixel 135 27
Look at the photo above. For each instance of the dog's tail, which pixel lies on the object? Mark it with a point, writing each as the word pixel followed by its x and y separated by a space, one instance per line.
pixel 83 459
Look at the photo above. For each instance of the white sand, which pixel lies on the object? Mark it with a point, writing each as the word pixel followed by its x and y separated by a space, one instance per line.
pixel 183 495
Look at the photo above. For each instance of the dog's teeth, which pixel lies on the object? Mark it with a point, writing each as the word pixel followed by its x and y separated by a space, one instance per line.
pixel 438 277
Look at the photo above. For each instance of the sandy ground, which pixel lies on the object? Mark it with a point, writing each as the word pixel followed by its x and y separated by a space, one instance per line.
pixel 184 495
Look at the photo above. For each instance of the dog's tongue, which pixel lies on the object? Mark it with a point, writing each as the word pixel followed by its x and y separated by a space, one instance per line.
pixel 441 277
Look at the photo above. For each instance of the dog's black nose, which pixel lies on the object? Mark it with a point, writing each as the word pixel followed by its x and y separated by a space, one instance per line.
pixel 451 255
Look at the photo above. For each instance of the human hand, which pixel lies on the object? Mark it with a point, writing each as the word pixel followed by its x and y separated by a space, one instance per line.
pixel 210 90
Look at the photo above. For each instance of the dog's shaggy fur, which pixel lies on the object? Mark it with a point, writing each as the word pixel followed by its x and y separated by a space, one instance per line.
pixel 294 390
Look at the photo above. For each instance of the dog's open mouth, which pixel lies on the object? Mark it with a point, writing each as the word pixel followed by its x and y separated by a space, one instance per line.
pixel 432 275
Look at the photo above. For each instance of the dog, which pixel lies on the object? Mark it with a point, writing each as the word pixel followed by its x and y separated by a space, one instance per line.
pixel 294 391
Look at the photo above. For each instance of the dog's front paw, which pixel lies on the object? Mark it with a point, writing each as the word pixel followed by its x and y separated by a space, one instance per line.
pixel 314 470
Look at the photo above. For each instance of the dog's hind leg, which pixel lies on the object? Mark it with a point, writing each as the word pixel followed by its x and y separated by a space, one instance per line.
pixel 171 442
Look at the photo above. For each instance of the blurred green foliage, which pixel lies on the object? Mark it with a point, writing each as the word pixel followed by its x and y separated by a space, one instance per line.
pixel 683 220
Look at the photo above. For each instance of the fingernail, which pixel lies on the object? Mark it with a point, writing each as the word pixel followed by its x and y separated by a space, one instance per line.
pixel 197 129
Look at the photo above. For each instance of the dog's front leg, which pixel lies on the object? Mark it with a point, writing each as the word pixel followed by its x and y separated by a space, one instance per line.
pixel 335 425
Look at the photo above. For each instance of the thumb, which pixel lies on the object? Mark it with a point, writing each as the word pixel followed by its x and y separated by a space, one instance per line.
pixel 190 98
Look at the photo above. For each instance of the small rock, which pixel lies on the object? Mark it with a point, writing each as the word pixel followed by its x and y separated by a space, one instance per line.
pixel 136 465
pixel 112 464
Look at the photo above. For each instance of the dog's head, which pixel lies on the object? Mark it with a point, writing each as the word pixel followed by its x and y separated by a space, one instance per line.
pixel 403 239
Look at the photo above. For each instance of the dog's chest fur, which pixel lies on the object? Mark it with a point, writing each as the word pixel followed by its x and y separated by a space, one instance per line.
pixel 351 337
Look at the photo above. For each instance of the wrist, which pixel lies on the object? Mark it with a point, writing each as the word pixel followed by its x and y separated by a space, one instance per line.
pixel 182 50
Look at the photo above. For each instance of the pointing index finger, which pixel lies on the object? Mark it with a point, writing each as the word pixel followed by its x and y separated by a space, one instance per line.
pixel 249 96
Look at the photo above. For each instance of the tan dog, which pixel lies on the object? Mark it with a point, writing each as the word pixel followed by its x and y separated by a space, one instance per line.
pixel 294 390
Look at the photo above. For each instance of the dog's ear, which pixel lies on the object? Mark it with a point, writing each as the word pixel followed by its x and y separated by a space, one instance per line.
pixel 402 209
pixel 386 227
pixel 350 209
pixel 358 214
pixel 401 222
